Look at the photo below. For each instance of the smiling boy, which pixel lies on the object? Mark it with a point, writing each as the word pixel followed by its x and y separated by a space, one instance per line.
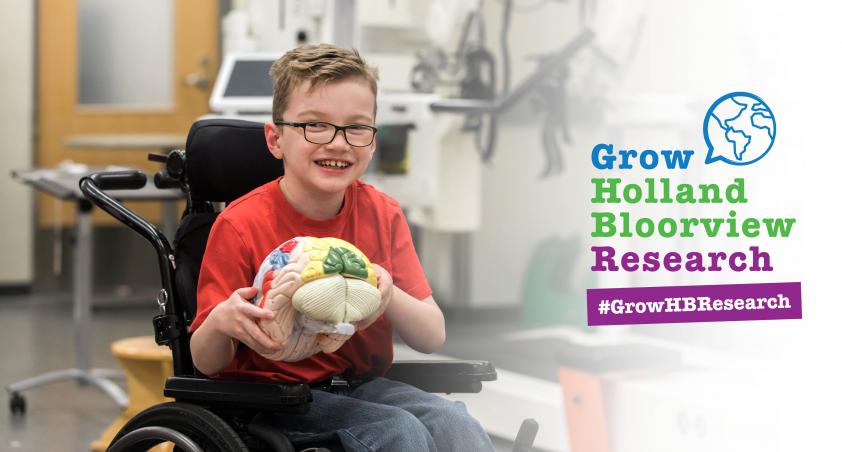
pixel 324 109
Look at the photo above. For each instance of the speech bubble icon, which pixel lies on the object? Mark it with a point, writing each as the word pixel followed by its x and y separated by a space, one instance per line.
pixel 739 129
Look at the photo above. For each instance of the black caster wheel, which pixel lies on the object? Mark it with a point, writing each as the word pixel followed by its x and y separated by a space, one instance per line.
pixel 17 404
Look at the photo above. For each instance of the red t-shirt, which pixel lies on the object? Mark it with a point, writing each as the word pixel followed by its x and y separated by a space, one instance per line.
pixel 255 224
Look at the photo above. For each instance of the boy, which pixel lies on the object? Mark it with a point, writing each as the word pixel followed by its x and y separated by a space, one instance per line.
pixel 323 115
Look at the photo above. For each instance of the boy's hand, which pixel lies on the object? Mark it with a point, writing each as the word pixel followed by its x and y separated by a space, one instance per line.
pixel 386 287
pixel 237 318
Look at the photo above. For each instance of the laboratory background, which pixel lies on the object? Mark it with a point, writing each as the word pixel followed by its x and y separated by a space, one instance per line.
pixel 488 111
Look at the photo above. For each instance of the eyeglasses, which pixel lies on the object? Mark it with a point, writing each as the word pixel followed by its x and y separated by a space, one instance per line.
pixel 317 132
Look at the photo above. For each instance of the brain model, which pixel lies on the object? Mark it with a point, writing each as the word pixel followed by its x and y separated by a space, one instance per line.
pixel 318 288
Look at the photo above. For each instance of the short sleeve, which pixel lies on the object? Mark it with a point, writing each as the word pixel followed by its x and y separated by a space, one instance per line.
pixel 406 270
pixel 225 268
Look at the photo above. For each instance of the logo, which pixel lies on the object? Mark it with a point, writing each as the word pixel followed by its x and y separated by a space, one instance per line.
pixel 739 129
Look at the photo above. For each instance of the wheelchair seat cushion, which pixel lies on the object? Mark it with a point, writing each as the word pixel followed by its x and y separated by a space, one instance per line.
pixel 318 289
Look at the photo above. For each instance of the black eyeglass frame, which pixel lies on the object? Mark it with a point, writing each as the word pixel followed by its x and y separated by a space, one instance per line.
pixel 336 129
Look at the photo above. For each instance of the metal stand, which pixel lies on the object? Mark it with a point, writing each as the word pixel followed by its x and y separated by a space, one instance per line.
pixel 82 282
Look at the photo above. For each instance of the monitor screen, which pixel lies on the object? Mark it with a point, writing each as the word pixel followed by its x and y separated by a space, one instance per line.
pixel 250 78
pixel 243 85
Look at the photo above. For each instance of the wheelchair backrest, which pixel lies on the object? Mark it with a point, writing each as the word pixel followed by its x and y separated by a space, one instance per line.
pixel 225 159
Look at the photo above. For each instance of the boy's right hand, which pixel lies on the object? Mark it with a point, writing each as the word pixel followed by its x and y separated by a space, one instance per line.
pixel 237 318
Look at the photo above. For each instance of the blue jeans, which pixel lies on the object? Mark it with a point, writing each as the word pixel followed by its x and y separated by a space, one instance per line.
pixel 386 415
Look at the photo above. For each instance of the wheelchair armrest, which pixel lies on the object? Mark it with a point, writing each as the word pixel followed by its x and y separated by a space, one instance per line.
pixel 443 376
pixel 240 394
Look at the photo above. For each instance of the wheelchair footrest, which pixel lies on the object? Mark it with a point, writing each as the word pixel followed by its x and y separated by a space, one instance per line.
pixel 242 394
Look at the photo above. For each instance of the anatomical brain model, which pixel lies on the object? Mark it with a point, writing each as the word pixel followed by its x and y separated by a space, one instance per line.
pixel 318 289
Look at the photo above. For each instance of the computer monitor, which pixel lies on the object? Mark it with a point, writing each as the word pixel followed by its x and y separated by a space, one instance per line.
pixel 243 84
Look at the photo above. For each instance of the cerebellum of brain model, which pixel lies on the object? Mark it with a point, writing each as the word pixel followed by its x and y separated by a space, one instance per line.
pixel 318 289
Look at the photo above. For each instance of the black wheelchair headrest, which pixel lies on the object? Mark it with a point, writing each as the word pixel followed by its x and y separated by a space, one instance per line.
pixel 227 158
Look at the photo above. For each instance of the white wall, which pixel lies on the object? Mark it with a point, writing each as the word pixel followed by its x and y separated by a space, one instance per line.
pixel 16 140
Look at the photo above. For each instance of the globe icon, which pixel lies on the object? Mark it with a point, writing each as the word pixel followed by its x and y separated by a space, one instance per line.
pixel 739 129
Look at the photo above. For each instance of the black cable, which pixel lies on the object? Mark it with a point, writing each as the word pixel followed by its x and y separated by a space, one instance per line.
pixel 461 49
pixel 487 149
pixel 504 45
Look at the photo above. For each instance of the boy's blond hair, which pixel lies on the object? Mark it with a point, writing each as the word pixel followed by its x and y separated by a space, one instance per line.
pixel 317 64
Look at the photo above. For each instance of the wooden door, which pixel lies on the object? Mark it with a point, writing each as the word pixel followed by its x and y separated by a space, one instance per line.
pixel 189 30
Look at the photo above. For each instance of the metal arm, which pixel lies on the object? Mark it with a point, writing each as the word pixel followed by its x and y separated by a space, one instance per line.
pixel 521 90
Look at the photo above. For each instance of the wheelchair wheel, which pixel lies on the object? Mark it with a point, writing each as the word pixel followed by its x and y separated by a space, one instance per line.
pixel 202 426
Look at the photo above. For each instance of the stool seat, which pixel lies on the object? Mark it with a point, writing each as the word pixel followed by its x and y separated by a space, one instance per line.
pixel 147 366
pixel 141 348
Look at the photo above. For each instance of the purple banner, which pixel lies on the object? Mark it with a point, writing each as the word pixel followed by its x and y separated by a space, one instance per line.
pixel 680 304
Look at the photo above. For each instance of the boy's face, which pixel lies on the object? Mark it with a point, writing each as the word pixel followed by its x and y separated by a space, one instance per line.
pixel 323 169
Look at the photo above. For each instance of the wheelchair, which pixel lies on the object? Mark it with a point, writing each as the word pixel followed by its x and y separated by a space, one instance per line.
pixel 224 159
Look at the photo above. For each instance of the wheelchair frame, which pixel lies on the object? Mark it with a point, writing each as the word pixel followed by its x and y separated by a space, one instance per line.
pixel 222 413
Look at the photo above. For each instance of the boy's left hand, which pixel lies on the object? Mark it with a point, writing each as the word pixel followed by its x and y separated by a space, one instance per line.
pixel 386 287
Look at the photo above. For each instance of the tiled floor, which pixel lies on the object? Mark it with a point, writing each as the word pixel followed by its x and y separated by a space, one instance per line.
pixel 36 336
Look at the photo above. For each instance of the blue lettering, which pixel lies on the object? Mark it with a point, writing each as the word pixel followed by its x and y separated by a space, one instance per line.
pixel 682 158
pixel 603 161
